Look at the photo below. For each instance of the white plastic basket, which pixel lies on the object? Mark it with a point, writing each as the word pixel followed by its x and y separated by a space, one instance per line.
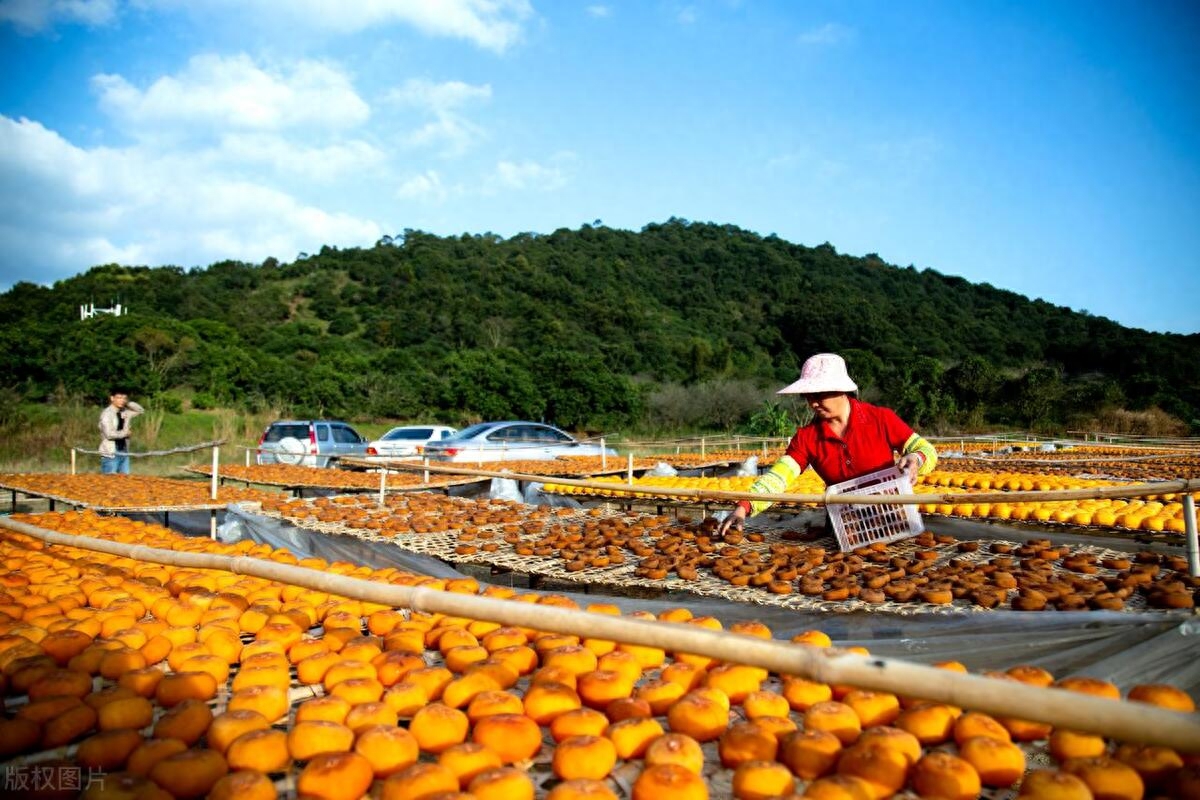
pixel 860 525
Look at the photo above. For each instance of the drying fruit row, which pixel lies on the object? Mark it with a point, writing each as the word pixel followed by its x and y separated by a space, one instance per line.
pixel 126 491
pixel 291 475
pixel 1152 513
pixel 1129 468
pixel 927 569
pixel 414 513
pixel 175 682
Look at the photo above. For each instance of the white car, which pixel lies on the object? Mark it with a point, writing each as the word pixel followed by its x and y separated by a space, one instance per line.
pixel 407 441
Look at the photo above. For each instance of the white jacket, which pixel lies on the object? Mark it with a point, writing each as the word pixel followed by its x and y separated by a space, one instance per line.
pixel 108 426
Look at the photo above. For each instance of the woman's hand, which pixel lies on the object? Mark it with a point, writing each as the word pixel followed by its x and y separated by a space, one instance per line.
pixel 910 465
pixel 735 520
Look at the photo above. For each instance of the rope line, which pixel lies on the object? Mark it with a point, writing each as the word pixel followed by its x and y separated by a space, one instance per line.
pixel 185 449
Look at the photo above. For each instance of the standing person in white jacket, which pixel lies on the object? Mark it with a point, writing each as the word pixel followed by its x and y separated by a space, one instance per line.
pixel 114 433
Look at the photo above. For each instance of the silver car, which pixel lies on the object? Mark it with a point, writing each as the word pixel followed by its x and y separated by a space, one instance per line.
pixel 511 441
pixel 309 443
pixel 407 441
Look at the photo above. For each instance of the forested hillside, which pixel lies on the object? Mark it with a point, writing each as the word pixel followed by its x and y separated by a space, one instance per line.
pixel 678 325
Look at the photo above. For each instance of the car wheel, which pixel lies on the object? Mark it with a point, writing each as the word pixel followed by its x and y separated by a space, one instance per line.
pixel 289 450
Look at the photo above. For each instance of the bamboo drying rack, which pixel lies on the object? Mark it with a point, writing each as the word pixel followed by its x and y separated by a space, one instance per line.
pixel 1097 492
pixel 1124 721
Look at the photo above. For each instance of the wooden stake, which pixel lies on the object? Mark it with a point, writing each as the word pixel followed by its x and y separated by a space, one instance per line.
pixel 216 468
pixel 383 487
pixel 1124 721
pixel 72 460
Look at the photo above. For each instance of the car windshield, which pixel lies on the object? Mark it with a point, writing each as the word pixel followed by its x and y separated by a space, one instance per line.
pixel 278 432
pixel 552 435
pixel 472 431
pixel 400 434
pixel 343 434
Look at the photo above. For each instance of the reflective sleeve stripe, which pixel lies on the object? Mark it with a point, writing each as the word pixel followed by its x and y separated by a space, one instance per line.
pixel 917 444
pixel 777 480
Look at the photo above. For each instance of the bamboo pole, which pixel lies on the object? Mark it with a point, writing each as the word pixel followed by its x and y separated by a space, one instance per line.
pixel 1189 527
pixel 72 460
pixel 1092 493
pixel 1127 722
pixel 383 487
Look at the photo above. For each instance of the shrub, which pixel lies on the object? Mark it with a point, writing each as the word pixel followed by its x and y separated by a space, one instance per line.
pixel 203 401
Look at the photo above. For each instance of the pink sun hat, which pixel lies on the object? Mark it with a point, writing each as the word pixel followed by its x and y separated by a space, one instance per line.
pixel 824 372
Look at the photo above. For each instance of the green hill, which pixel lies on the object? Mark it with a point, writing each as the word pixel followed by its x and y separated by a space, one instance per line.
pixel 678 325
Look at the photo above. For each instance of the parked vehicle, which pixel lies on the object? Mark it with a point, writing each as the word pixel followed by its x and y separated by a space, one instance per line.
pixel 309 443
pixel 510 441
pixel 407 441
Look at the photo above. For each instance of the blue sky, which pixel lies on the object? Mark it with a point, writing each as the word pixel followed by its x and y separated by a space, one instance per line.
pixel 1048 148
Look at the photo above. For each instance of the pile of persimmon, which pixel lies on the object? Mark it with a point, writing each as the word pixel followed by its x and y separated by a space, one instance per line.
pixel 1148 513
pixel 695 460
pixel 126 491
pixel 119 662
pixel 1030 577
pixel 291 475
pixel 645 486
pixel 412 513
pixel 565 466
pixel 1139 468
pixel 927 570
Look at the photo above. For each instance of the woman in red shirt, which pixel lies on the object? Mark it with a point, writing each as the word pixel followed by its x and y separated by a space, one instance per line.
pixel 846 439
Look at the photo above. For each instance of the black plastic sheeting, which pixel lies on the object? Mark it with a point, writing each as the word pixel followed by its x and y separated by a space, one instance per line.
pixel 1125 648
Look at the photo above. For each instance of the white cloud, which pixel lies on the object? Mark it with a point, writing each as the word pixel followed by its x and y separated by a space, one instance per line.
pixel 82 206
pixel 449 128
pixel 830 33
pixel 426 187
pixel 233 92
pixel 687 15
pixel 525 175
pixel 490 24
pixel 505 178
pixel 453 134
pixel 323 163
pixel 599 11
pixel 34 16
pixel 438 97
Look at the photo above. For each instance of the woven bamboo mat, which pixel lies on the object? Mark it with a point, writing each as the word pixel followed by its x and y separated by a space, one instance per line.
pixel 489 548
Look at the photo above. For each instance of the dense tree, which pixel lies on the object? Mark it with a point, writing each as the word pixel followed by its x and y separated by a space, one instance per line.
pixel 681 323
